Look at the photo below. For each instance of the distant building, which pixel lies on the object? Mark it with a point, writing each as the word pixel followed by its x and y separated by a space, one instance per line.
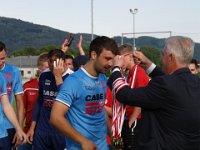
pixel 27 65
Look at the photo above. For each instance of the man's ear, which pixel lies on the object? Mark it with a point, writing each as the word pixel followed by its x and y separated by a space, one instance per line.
pixel 172 58
pixel 93 55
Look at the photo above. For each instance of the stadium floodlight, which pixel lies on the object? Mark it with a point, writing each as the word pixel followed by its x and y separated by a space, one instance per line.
pixel 133 12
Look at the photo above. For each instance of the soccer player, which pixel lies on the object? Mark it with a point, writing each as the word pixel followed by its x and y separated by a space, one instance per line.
pixel 31 89
pixel 45 135
pixel 78 111
pixel 14 90
pixel 69 62
pixel 136 77
pixel 7 109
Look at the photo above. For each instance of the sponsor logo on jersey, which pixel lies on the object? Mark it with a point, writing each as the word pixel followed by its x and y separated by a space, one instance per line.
pixel 94 97
pixel 32 93
pixel 8 75
pixel 90 88
pixel 48 103
pixel 94 107
pixel 50 93
pixel 94 103
pixel 47 82
pixel 9 88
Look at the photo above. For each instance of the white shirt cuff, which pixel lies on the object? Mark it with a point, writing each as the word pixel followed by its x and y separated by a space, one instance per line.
pixel 115 69
pixel 151 68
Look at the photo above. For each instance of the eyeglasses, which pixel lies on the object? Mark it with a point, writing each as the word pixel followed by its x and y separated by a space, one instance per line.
pixel 127 54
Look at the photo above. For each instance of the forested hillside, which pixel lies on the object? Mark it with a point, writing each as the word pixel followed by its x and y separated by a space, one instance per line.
pixel 18 34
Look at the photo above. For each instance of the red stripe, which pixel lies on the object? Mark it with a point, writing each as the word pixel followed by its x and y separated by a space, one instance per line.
pixel 120 87
pixel 119 79
pixel 94 103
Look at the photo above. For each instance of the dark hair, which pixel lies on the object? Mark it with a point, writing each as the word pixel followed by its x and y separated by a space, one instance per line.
pixel 2 46
pixel 53 55
pixel 103 42
pixel 56 53
pixel 194 61
pixel 79 61
pixel 69 57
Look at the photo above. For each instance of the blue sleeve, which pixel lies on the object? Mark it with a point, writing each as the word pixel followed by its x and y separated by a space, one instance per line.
pixel 68 91
pixel 18 82
pixel 2 85
pixel 38 104
pixel 58 86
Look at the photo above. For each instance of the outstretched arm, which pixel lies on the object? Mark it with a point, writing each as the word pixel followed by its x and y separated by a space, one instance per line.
pixel 141 59
pixel 10 114
pixel 31 132
pixel 20 108
pixel 147 64
pixel 65 46
pixel 20 115
pixel 79 46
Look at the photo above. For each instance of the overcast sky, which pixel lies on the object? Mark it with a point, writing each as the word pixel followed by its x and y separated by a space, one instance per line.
pixel 111 17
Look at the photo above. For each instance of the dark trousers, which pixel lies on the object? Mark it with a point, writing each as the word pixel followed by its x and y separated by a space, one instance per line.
pixel 44 140
pixel 11 134
pixel 5 143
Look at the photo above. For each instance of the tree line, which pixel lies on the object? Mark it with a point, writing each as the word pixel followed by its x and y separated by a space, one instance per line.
pixel 150 52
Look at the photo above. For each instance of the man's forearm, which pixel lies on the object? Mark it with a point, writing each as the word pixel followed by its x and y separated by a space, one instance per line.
pixel 65 127
pixel 20 109
pixel 33 125
pixel 10 113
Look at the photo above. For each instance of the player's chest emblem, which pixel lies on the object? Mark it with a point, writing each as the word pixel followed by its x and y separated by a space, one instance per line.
pixel 47 82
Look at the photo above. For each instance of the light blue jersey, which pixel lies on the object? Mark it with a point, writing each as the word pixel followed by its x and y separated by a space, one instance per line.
pixel 13 84
pixel 85 96
pixel 3 131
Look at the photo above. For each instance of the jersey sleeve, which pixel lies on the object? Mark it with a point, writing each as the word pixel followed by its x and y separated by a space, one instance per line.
pixel 68 91
pixel 2 85
pixel 18 82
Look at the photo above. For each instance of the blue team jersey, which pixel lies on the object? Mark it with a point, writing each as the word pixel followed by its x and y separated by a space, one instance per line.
pixel 3 131
pixel 47 94
pixel 85 96
pixel 14 86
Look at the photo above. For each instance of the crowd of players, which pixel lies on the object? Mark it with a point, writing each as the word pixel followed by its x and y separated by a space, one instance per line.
pixel 69 106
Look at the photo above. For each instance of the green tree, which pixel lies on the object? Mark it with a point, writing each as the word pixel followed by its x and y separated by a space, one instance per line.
pixel 152 53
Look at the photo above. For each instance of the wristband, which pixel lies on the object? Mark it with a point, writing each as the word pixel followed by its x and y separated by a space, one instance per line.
pixel 116 68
